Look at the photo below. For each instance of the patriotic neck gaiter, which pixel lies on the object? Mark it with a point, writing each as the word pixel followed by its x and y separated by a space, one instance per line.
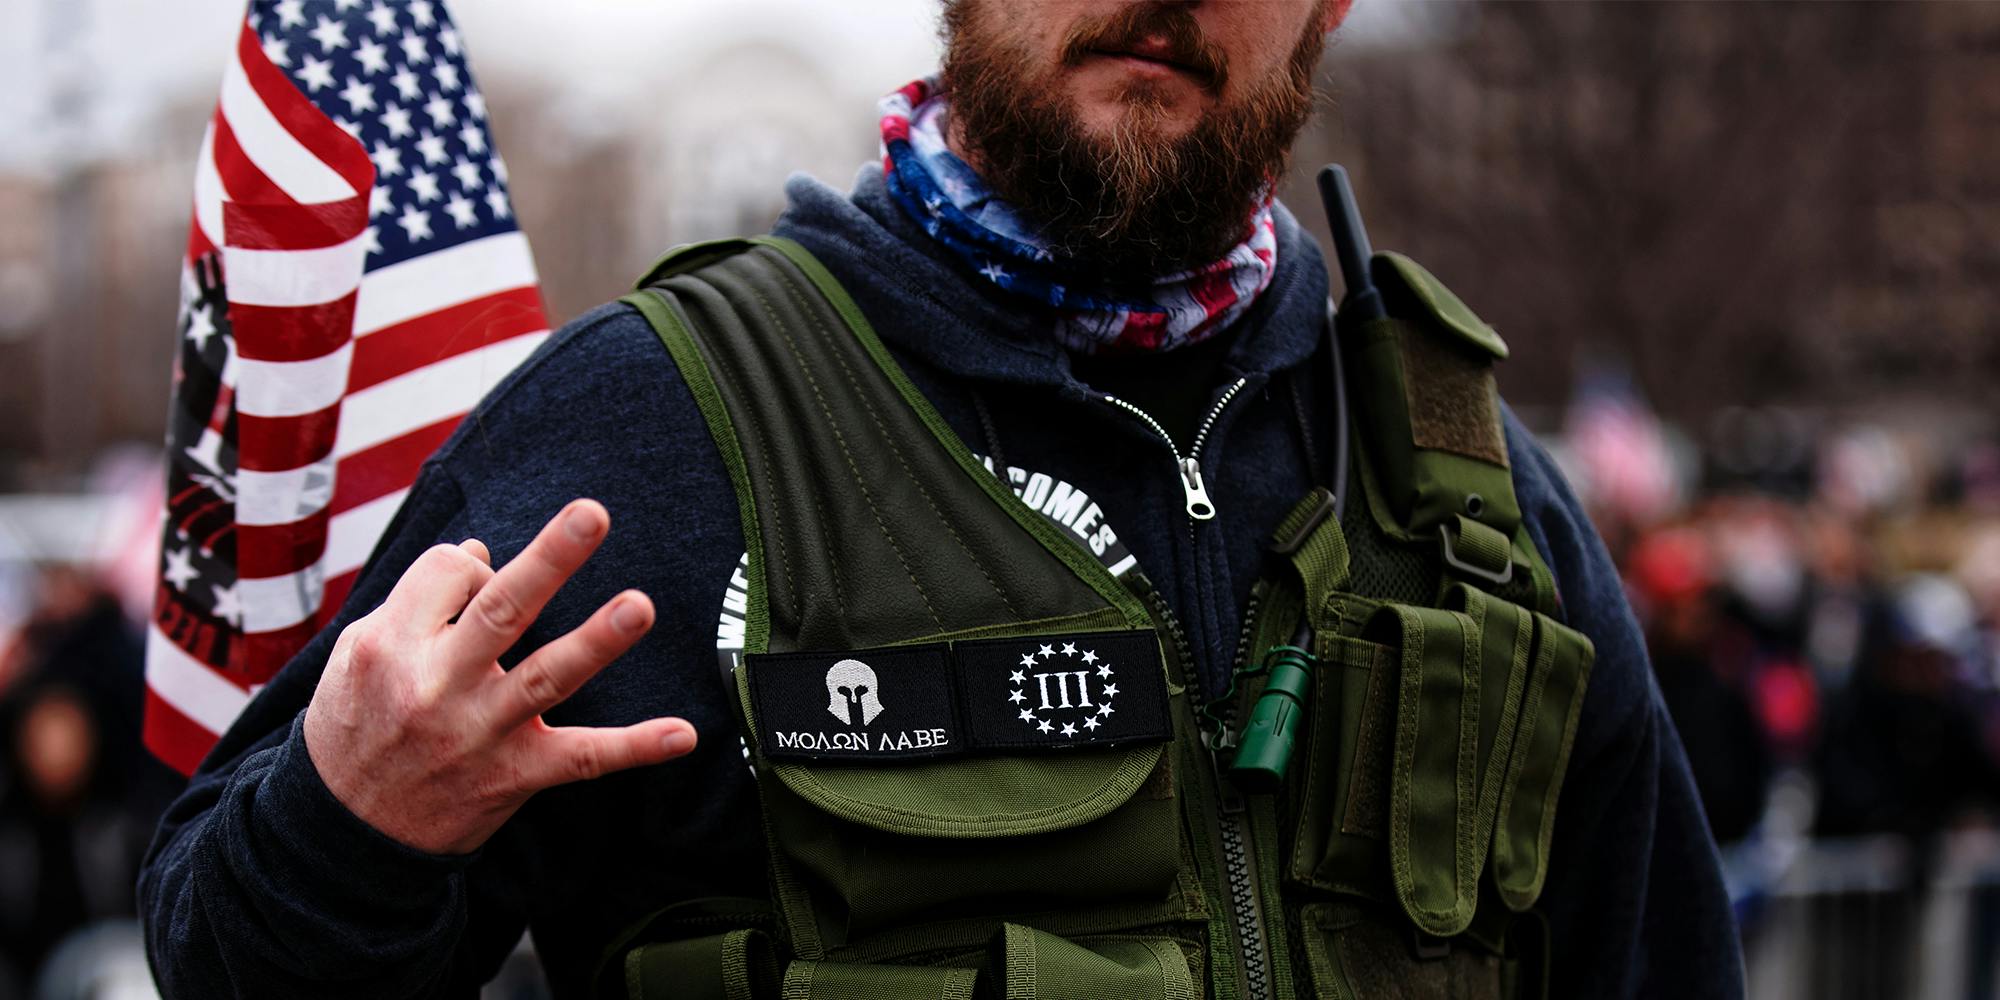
pixel 943 194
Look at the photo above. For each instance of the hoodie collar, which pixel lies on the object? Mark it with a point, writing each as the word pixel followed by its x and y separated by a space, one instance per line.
pixel 967 328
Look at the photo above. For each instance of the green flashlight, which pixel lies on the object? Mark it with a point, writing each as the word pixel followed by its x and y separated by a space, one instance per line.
pixel 1266 747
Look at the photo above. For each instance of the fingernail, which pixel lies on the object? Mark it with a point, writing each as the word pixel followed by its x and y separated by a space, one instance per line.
pixel 679 741
pixel 627 617
pixel 580 525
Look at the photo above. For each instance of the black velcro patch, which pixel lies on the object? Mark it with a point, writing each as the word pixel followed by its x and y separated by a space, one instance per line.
pixel 1083 689
pixel 873 704
pixel 1454 405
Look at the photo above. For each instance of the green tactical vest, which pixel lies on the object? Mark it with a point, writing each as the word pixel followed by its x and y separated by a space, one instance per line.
pixel 984 767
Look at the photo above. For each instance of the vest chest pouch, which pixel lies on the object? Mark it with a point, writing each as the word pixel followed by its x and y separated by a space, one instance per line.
pixel 1439 741
pixel 864 848
pixel 947 781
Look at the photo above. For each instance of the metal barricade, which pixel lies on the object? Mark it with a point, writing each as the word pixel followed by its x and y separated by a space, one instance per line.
pixel 1870 918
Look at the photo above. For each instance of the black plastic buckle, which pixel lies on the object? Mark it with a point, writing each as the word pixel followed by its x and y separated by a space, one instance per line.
pixel 1498 579
pixel 1324 506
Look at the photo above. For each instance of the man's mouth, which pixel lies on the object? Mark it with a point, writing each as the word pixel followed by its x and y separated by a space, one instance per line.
pixel 1158 52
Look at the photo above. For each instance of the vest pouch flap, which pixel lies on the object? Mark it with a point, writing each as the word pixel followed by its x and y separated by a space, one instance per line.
pixel 968 839
pixel 1344 793
pixel 1035 965
pixel 1412 290
pixel 1423 384
pixel 970 739
pixel 737 965
pixel 975 797
pixel 818 980
pixel 676 952
pixel 1549 711
pixel 1460 679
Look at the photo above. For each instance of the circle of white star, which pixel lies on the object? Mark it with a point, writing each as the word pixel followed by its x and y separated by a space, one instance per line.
pixel 1099 712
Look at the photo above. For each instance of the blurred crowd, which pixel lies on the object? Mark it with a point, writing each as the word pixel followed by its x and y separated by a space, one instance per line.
pixel 1822 606
pixel 1857 650
pixel 1836 622
pixel 79 794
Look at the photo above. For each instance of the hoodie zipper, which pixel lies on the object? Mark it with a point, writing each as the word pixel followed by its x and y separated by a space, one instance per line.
pixel 1239 860
pixel 1198 506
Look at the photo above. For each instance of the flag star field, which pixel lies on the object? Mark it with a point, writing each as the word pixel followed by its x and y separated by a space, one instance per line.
pixel 393 75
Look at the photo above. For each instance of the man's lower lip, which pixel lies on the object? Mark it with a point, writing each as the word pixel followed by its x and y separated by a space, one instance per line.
pixel 1140 64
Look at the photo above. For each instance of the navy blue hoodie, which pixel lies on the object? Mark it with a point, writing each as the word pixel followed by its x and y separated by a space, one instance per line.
pixel 260 884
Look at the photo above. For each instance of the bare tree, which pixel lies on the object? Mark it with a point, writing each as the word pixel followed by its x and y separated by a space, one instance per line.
pixel 1734 198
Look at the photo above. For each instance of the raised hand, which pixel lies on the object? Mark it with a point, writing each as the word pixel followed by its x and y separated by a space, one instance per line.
pixel 418 731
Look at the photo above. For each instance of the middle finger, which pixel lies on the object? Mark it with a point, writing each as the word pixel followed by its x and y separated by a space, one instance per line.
pixel 509 602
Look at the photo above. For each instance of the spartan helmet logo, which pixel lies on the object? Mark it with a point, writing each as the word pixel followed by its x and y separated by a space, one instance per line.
pixel 850 691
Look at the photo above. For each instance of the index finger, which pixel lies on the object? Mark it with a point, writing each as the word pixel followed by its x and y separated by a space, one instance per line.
pixel 509 602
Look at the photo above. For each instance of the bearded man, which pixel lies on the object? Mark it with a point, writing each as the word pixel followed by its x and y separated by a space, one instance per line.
pixel 981 466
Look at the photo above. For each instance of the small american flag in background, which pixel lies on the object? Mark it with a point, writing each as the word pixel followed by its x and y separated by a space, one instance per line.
pixel 354 283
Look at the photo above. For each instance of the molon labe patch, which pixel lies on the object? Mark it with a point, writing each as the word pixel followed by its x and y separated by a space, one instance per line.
pixel 1044 692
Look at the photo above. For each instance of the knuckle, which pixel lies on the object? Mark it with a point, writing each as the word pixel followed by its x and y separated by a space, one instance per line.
pixel 361 641
pixel 599 641
pixel 557 559
pixel 539 686
pixel 424 699
pixel 498 610
pixel 498 785
pixel 586 760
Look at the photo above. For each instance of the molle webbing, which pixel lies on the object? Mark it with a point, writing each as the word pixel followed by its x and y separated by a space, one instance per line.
pixel 866 528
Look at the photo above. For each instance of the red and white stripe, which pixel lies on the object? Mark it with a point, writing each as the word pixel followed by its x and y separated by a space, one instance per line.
pixel 342 383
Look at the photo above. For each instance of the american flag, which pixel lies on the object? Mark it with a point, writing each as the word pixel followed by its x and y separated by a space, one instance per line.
pixel 354 282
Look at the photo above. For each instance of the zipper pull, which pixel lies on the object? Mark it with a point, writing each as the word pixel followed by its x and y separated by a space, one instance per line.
pixel 1198 506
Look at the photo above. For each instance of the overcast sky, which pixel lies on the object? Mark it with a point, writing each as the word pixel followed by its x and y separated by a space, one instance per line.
pixel 126 60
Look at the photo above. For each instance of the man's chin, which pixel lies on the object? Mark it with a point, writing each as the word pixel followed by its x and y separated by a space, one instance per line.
pixel 1136 115
pixel 1165 107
